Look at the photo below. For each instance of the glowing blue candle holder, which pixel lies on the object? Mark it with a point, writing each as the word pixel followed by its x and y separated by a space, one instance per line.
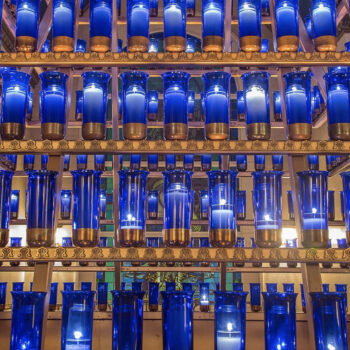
pixel 241 162
pixel 257 105
pixel 153 296
pixel 288 287
pixel 14 203
pixel 170 161
pixel 152 113
pixel 191 44
pixel 206 162
pixel 338 106
pixel 313 161
pixel 177 319
pixel 277 162
pixel 298 104
pixel 153 8
pixel 342 288
pixel 17 286
pixel 324 28
pixel 67 243
pixel 27 23
pixel 255 297
pixel 204 204
pixel 102 296
pixel 222 210
pixel 177 207
pixel 237 286
pixel 132 207
pixel 82 161
pixel 135 161
pixel 100 25
pixel 3 287
pixel 190 104
pixel 80 46
pixel 86 207
pixel 290 206
pixel 204 291
pixel 313 208
pixel 44 160
pixel 187 287
pixel 170 286
pixel 13 105
pixel 190 8
pixel 53 296
pixel 153 204
pixel 241 205
pixel 77 319
pixel 152 162
pixel 29 107
pixel 68 286
pixel 63 20
pixel 259 162
pixel 27 320
pixel 86 286
pixel 264 45
pixel 103 203
pixel 79 105
pixel 28 162
pixel 188 161
pixel 277 107
pixel 217 103
pixel 330 204
pixel 342 205
pixel 5 205
pixel 153 46
pixel 99 162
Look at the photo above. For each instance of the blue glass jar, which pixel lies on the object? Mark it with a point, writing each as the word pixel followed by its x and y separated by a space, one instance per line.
pixel 53 104
pixel 325 286
pixel 267 202
pixel 191 44
pixel 290 205
pixel 249 25
pixel 213 17
pixel 102 296
pixel 138 25
pixel 338 106
pixel 152 162
pixel 27 320
pixel 257 104
pixel 324 28
pixel 100 25
pixel 343 288
pixel 342 205
pixel 17 286
pixel 255 297
pixel 68 286
pixel 217 102
pixel 175 25
pixel 190 8
pixel 204 204
pixel 153 296
pixel 27 23
pixel 329 320
pixel 63 20
pixel 206 162
pixel 29 107
pixel 288 287
pixel 259 162
pixel 346 202
pixel 134 105
pixel 222 208
pixel 177 204
pixel 95 95
pixel 86 286
pixel 204 292
pixel 298 104
pixel 67 243
pixel 132 207
pixel 241 162
pixel 152 113
pixel 79 105
pixel 175 104
pixel 277 106
pixel 44 160
pixel 15 86
pixel 177 311
pixel 153 204
pixel 86 207
pixel 241 205
pixel 135 162
pixel 82 161
pixel 313 208
pixel 99 162
pixel 330 204
pixel 41 208
pixel 238 286
pixel 5 205
pixel 170 286
pixel 188 161
pixel 187 287
pixel 240 106
pixel 28 162
pixel 77 320
pixel 53 296
pixel 103 203
pixel 3 287
pixel 313 161
pixel 280 320
pixel 190 104
pixel 153 8
pixel 277 162
pixel 170 161
pixel 80 46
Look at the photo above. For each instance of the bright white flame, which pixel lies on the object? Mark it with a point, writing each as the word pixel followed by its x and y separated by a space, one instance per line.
pixel 216 88
pixel 229 327
pixel 77 335
pixel 279 347
pixel 222 201
pixel 267 217
pixel 130 217
pixel 321 6
pixel 314 210
pixel 330 347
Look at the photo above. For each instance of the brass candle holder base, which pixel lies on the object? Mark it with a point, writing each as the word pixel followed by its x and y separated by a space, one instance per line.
pixel 152 263
pixel 239 264
pixel 152 116
pixel 40 237
pixel 25 43
pixel 31 263
pixel 242 167
pixel 83 263
pixel 177 237
pixel 175 131
pixel 187 264
pixel 259 167
pixel 170 263
pixel 327 265
pixel 102 307
pixel 222 238
pixel 12 131
pixel 299 131
pixel 153 307
pixel 134 131
pixel 344 265
pixel 217 131
pixel 136 263
pixel 250 43
pixel 339 131
pixel 240 216
pixel 14 263
pixel 4 237
pixel 204 308
pixel 138 44
pixel 257 264
pixel 326 43
pixel 153 215
pixel 63 44
pixel 131 237
pixel 100 44
pixel 258 131
pixel 52 131
pixel 288 43
pixel 277 167
pixel 213 43
pixel 190 12
pixel 79 116
pixel 93 131
pixel 268 238
pixel 175 43
pixel 86 237
pixel 315 238
pixel 255 308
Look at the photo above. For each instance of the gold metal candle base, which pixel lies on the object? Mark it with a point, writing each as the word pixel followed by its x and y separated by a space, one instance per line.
pixel 222 238
pixel 204 308
pixel 131 237
pixel 100 44
pixel 217 131
pixel 153 307
pixel 288 43
pixel 339 131
pixel 153 215
pixel 190 12
pixel 268 238
pixel 138 44
pixel 79 116
pixel 299 131
pixel 187 264
pixel 213 43
pixel 255 308
pixel 52 131
pixel 134 131
pixel 175 131
pixel 63 44
pixel 40 237
pixel 326 43
pixel 327 265
pixel 65 215
pixel 25 43
pixel 152 263
pixel 102 307
pixel 315 238
pixel 152 116
pixel 136 263
pixel 170 263
pixel 250 43
pixel 4 237
pixel 258 131
pixel 93 131
pixel 240 216
pixel 175 43
pixel 14 263
pixel 12 131
pixel 86 237
pixel 177 237
pixel 31 263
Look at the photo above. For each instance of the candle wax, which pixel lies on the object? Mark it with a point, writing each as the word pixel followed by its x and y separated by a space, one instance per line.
pixel 322 21
pixel 173 21
pixel 256 107
pixel 14 106
pixel 26 22
pixel 222 218
pixel 63 20
pixel 248 21
pixel 297 109
pixel 53 107
pixel 94 109
pixel 216 104
pixel 213 22
pixel 286 21
pixel 153 106
pixel 135 107
pixel 338 106
pixel 101 21
pixel 138 22
pixel 314 223
pixel 175 106
pixel 228 341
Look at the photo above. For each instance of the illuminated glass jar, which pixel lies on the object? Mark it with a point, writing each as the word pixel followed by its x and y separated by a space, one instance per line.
pixel 53 296
pixel 177 312
pixel 27 320
pixel 241 205
pixel 99 162
pixel 177 207
pixel 14 203
pixel 17 286
pixel 170 161
pixel 259 162
pixel 28 161
pixel 152 162
pixel 27 23
pixel 86 207
pixel 100 25
pixel 3 287
pixel 67 243
pixel 280 320
pixel 188 161
pixel 204 291
pixel 132 207
pixel 342 205
pixel 241 161
pixel 138 25
pixel 264 45
pixel 66 203
pixel 204 204
pixel 15 86
pixel 277 162
pixel 153 296
pixel 94 105
pixel 86 286
pixel 202 106
pixel 190 8
pixel 255 297
pixel 257 105
pixel 29 107
pixel 41 208
pixel 5 205
pixel 44 160
pixel 134 105
pixel 290 206
pixel 152 113
pixel 330 204
pixel 338 106
pixel 153 8
pixel 103 202
pixel 240 106
pixel 80 46
pixel 53 105
pixel 324 28
pixel 217 104
pixel 298 104
pixel 249 25
pixel 213 17
pixel 313 161
pixel 313 208
pixel 267 202
pixel 153 46
pixel 206 162
pixel 190 104
pixel 79 105
pixel 288 287
pixel 346 202
pixel 82 161
pixel 222 211
pixel 63 20
pixel 135 161
pixel 175 105
pixel 175 25
pixel 153 204
pixel 277 108
pixel 77 319
pixel 342 288
pixel 102 296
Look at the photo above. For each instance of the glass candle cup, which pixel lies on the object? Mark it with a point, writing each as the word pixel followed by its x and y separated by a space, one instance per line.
pixel 102 296
pixel 152 113
pixel 206 162
pixel 313 161
pixel 82 161
pixel 152 162
pixel 66 203
pixel 277 162
pixel 5 202
pixel 153 296
pixel 259 162
pixel 153 204
pixel 255 297
pixel 103 203
pixel 204 291
pixel 204 204
pixel 80 46
pixel 14 202
pixel 28 162
pixel 277 106
pixel 99 162
pixel 241 205
pixel 241 162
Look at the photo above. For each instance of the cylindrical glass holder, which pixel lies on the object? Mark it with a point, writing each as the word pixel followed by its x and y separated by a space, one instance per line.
pixel 241 205
pixel 5 203
pixel 255 297
pixel 153 296
pixel 14 203
pixel 102 296
pixel 152 113
pixel 153 197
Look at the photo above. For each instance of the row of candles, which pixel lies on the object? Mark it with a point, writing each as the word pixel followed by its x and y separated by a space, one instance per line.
pixel 322 15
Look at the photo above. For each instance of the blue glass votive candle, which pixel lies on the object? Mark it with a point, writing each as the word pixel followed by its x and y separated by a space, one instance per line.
pixel 66 203
pixel 28 162
pixel 346 202
pixel 86 286
pixel 152 162
pixel 153 8
pixel 277 106
pixel 204 204
pixel 53 296
pixel 188 161
pixel 153 296
pixel 152 113
pixel 259 162
pixel 80 46
pixel 206 162
pixel 237 286
pixel 343 288
pixel 288 287
pixel 290 206
pixel 190 104
pixel 153 46
pixel 217 102
pixel 103 203
pixel 342 205
pixel 241 205
pixel 170 286
pixel 14 203
pixel 255 297
pixel 17 286
pixel 102 296
pixel 29 107
pixel 204 291
pixel 313 161
pixel 313 208
pixel 277 162
pixel 298 104
pixel 191 44
pixel 44 159
pixel 5 205
pixel 222 208
pixel 153 204
pixel 3 287
pixel 240 106
pixel 68 286
pixel 257 105
pixel 99 162
pixel 187 287
pixel 53 105
pixel 79 105
pixel 330 204
pixel 241 162
pixel 190 8
pixel 46 46
pixel 82 161
pixel 170 161
pixel 135 162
